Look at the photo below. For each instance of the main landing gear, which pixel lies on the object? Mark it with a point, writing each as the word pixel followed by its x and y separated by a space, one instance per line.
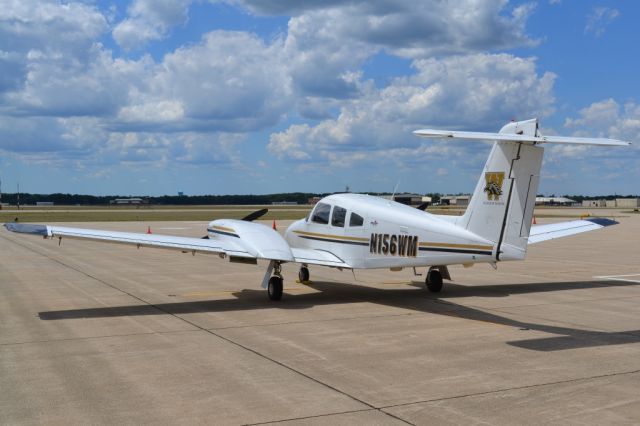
pixel 434 280
pixel 274 290
pixel 274 287
pixel 273 281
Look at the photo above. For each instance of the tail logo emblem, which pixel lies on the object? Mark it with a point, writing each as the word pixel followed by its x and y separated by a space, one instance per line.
pixel 493 188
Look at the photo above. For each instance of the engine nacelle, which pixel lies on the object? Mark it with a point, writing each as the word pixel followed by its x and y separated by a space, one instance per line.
pixel 259 240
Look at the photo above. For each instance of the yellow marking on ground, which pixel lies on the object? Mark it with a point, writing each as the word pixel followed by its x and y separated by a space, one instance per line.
pixel 337 237
pixel 451 245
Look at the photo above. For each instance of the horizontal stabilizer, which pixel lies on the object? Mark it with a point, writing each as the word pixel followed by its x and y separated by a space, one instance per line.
pixel 569 140
pixel 551 231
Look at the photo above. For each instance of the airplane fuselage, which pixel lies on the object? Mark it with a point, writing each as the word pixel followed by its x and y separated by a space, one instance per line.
pixel 371 232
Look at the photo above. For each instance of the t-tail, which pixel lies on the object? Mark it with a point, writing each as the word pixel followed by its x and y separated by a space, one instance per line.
pixel 502 204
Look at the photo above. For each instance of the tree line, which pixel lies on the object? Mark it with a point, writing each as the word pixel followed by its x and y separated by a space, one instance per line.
pixel 242 199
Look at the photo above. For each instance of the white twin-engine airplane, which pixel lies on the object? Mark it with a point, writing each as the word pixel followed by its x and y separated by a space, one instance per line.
pixel 355 231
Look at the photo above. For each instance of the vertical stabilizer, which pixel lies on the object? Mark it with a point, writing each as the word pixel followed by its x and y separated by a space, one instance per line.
pixel 502 204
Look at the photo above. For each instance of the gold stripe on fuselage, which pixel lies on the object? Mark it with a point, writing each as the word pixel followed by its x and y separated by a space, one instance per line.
pixel 222 228
pixel 460 246
pixel 336 237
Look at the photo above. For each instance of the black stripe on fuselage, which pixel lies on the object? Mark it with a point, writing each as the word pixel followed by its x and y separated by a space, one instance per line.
pixel 328 240
pixel 228 234
pixel 454 250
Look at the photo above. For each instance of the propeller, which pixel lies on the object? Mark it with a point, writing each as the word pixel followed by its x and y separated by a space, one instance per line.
pixel 423 206
pixel 255 215
pixel 249 218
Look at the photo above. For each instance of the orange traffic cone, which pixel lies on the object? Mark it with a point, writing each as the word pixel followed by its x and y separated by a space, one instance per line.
pixel 149 230
pixel 275 228
pixel 534 221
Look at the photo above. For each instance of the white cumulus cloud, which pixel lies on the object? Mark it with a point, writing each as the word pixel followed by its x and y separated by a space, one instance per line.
pixel 149 20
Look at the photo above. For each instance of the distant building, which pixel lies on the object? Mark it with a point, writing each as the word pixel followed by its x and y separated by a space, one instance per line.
pixel 555 201
pixel 455 200
pixel 408 199
pixel 594 203
pixel 628 203
pixel 622 203
pixel 129 201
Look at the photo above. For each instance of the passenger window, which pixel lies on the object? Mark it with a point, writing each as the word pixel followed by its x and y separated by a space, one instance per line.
pixel 338 217
pixel 355 220
pixel 321 214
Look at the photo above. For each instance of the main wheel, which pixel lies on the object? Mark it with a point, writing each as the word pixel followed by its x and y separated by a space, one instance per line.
pixel 434 281
pixel 303 275
pixel 274 290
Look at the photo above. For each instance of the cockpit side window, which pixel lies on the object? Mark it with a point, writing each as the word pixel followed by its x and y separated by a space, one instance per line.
pixel 355 220
pixel 338 217
pixel 321 214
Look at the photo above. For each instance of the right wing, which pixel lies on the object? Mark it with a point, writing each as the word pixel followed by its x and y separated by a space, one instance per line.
pixel 551 231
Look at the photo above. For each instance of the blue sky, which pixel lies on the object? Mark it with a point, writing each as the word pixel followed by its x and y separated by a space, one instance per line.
pixel 249 96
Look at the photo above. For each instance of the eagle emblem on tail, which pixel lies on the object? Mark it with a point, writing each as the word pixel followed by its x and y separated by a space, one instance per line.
pixel 493 187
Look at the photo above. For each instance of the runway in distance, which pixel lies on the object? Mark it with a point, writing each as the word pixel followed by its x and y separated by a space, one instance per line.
pixel 356 231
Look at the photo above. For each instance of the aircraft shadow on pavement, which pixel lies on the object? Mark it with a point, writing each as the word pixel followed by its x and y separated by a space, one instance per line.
pixel 409 297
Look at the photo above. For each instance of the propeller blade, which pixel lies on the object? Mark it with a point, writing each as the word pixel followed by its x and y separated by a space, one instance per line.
pixel 423 206
pixel 255 215
pixel 206 237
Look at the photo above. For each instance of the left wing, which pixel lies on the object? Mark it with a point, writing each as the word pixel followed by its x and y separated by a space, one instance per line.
pixel 234 238
pixel 196 245
pixel 564 229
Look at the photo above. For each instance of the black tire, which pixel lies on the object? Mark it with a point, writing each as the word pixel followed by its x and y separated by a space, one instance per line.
pixel 434 281
pixel 274 290
pixel 303 275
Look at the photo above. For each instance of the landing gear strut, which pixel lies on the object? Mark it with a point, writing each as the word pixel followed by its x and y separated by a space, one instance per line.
pixel 303 275
pixel 274 287
pixel 434 281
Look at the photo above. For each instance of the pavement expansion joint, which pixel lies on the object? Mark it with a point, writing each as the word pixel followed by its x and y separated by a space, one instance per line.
pixel 337 413
pixel 496 391
pixel 106 336
pixel 275 324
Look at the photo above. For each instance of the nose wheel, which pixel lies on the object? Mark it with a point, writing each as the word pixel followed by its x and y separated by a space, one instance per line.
pixel 303 275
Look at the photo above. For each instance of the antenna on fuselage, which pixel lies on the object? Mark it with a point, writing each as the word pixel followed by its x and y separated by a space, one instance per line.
pixel 395 189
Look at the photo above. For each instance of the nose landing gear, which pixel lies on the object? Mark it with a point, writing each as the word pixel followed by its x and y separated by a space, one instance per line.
pixel 303 275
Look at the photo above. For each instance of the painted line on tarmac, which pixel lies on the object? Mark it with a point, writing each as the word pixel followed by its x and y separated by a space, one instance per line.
pixel 620 278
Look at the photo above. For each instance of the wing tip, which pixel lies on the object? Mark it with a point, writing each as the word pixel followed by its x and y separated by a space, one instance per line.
pixel 26 228
pixel 602 221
